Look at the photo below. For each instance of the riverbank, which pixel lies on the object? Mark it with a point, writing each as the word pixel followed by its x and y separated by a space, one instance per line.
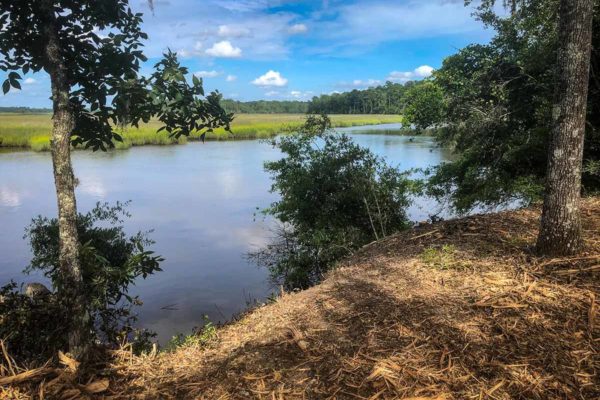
pixel 460 309
pixel 32 131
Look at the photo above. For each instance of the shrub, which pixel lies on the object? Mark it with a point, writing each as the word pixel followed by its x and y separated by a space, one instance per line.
pixel 198 337
pixel 335 197
pixel 111 262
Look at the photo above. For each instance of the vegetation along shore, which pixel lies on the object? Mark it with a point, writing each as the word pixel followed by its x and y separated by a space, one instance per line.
pixel 32 131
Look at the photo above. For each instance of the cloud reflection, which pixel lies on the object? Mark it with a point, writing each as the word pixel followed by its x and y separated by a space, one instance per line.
pixel 93 187
pixel 9 198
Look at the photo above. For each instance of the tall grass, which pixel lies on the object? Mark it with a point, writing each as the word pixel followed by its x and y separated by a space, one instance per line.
pixel 32 131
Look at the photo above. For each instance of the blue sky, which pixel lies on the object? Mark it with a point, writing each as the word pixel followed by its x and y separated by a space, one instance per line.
pixel 285 49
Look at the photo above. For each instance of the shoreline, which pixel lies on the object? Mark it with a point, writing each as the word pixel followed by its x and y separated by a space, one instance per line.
pixel 30 132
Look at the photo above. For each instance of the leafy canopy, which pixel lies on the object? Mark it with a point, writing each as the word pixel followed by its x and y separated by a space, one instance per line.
pixel 100 43
pixel 498 113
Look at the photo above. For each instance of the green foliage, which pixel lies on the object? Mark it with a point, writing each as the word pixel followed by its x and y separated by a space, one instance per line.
pixel 199 337
pixel 110 261
pixel 32 328
pixel 24 110
pixel 498 115
pixel 178 105
pixel 440 257
pixel 424 105
pixel 101 45
pixel 335 197
pixel 385 99
pixel 265 106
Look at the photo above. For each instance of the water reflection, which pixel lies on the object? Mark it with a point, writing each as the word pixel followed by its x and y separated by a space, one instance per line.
pixel 9 197
pixel 199 198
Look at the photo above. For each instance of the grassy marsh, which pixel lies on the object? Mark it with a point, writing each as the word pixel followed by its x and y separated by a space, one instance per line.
pixel 32 131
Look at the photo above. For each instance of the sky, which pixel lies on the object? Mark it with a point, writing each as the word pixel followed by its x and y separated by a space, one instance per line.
pixel 295 49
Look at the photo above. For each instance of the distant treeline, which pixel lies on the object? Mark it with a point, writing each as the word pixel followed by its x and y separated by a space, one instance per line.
pixel 25 110
pixel 387 99
pixel 265 107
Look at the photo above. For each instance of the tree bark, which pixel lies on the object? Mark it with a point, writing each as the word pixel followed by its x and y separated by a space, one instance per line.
pixel 70 290
pixel 560 231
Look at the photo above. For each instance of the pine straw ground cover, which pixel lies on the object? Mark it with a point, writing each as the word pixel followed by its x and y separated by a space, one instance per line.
pixel 456 310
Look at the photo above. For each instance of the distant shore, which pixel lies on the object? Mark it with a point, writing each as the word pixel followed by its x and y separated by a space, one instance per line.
pixel 32 131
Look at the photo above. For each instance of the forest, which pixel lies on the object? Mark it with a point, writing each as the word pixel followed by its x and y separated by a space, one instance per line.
pixel 265 107
pixel 386 99
pixel 389 98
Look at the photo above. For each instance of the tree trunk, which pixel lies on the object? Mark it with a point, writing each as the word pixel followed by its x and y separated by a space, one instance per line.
pixel 71 288
pixel 560 232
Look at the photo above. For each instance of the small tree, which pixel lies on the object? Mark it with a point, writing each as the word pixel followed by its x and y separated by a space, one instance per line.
pixel 335 197
pixel 95 85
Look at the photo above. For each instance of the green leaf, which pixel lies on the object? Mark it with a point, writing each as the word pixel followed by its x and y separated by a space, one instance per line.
pixel 197 82
pixel 6 86
pixel 15 83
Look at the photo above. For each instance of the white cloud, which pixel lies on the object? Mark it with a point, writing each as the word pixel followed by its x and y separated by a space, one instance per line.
pixel 207 74
pixel 29 81
pixel 270 79
pixel 9 198
pixel 299 95
pixel 224 49
pixel 229 31
pixel 297 29
pixel 183 53
pixel 260 34
pixel 196 50
pixel 424 71
pixel 93 188
pixel 230 78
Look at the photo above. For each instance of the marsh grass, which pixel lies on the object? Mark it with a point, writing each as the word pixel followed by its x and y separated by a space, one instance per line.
pixel 32 131
pixel 441 257
pixel 199 337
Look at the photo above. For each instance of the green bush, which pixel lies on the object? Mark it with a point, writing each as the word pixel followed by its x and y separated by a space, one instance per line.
pixel 35 329
pixel 32 328
pixel 335 196
pixel 198 337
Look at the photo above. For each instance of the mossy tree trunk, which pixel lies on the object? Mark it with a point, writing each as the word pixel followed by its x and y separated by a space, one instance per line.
pixel 71 288
pixel 560 232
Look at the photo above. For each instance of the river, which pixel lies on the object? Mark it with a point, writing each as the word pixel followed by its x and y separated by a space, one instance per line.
pixel 200 200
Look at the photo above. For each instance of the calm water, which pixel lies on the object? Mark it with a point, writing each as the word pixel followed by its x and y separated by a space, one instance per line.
pixel 200 199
